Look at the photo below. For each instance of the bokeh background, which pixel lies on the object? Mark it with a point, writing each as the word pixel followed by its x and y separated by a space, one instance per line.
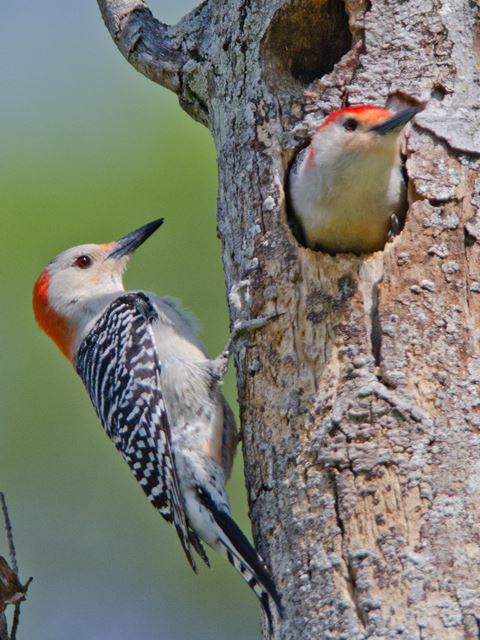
pixel 89 150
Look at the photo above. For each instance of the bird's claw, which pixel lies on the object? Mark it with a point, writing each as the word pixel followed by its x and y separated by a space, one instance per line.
pixel 394 228
pixel 219 366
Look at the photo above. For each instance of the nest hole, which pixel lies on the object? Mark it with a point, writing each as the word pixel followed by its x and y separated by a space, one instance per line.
pixel 321 36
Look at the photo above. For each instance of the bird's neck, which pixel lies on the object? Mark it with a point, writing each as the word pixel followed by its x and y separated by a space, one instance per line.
pixel 369 172
pixel 57 327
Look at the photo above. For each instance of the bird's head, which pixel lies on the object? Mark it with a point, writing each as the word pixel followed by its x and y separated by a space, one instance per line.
pixel 358 132
pixel 71 285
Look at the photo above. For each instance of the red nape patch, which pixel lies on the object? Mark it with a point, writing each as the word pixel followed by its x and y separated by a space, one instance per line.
pixel 54 325
pixel 364 113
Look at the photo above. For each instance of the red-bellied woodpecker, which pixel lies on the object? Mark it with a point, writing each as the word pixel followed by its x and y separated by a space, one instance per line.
pixel 346 188
pixel 156 393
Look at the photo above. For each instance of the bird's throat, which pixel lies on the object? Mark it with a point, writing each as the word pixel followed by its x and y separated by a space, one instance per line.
pixel 49 320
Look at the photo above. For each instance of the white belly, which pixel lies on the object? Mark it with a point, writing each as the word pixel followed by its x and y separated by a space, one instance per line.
pixel 347 210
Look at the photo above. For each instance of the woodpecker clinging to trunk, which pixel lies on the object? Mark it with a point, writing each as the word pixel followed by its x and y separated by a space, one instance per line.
pixel 156 393
pixel 346 188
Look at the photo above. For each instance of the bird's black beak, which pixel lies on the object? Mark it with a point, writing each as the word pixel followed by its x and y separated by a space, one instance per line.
pixel 127 245
pixel 396 122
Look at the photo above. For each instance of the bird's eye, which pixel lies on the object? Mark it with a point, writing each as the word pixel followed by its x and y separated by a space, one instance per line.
pixel 350 124
pixel 83 262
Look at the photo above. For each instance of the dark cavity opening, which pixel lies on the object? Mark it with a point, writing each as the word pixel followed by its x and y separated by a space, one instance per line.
pixel 306 39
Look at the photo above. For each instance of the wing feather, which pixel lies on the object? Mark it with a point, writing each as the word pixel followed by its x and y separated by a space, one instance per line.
pixel 119 365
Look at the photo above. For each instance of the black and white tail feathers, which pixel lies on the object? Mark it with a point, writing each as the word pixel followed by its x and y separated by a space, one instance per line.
pixel 243 557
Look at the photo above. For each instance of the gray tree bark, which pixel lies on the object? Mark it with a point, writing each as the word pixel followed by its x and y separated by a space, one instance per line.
pixel 360 405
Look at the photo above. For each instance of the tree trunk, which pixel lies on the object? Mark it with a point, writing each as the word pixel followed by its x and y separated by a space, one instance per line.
pixel 360 403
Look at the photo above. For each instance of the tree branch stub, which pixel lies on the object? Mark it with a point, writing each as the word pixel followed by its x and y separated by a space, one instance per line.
pixel 145 42
pixel 11 591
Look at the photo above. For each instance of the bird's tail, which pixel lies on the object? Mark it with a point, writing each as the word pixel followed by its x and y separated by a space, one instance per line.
pixel 240 553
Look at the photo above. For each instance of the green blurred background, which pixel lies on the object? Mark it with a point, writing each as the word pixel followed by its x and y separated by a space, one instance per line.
pixel 89 150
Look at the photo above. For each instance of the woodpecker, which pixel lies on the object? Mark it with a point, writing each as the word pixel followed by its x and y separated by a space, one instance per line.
pixel 346 188
pixel 157 395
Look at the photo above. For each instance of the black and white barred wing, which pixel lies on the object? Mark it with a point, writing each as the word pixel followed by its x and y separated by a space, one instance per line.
pixel 120 368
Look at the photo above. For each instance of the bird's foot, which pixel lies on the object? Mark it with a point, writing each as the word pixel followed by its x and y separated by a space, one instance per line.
pixel 394 227
pixel 219 366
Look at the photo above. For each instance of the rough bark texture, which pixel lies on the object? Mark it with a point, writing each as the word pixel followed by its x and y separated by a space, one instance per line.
pixel 360 405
